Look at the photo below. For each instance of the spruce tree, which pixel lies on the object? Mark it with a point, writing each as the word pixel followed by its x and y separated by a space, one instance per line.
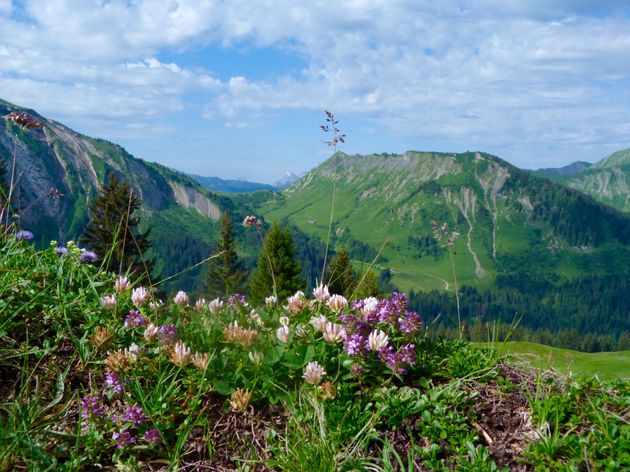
pixel 112 231
pixel 279 248
pixel 341 277
pixel 225 274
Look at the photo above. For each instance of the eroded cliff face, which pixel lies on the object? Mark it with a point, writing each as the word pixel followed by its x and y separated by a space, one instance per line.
pixel 190 198
pixel 57 171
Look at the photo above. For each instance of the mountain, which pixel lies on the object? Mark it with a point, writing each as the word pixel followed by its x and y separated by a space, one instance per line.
pixel 53 160
pixel 607 181
pixel 286 180
pixel 501 212
pixel 571 169
pixel 526 245
pixel 231 186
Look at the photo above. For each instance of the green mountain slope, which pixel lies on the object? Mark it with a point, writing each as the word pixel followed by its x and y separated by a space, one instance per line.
pixel 607 181
pixel 182 214
pixel 509 220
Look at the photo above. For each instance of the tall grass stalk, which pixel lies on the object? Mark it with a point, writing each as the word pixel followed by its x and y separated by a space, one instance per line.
pixel 330 126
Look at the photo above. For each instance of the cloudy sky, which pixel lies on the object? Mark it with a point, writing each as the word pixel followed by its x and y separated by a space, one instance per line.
pixel 237 88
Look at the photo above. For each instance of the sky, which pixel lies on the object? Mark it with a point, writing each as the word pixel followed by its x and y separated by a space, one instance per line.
pixel 237 89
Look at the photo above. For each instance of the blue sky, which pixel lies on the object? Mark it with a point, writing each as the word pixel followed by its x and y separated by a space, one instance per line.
pixel 237 89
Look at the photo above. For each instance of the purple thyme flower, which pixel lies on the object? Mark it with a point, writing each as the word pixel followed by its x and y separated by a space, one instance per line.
pixel 23 235
pixel 135 415
pixel 88 257
pixel 91 405
pixel 62 251
pixel 167 334
pixel 355 344
pixel 123 439
pixel 390 310
pixel 397 361
pixel 408 354
pixel 112 382
pixel 135 320
pixel 410 322
pixel 237 299
pixel 152 435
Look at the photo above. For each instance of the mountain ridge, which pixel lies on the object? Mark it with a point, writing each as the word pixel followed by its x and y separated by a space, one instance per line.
pixel 608 180
pixel 56 160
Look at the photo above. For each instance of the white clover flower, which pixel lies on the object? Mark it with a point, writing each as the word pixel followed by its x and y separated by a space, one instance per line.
pixel 284 321
pixel 256 357
pixel 200 361
pixel 297 302
pixel 108 302
pixel 151 332
pixel 240 399
pixel 215 305
pixel 200 304
pixel 180 354
pixel 181 298
pixel 337 303
pixel 318 322
pixel 313 373
pixel 283 333
pixel 301 331
pixel 271 300
pixel 121 284
pixel 377 340
pixel 134 350
pixel 333 333
pixel 321 293
pixel 139 296
pixel 369 306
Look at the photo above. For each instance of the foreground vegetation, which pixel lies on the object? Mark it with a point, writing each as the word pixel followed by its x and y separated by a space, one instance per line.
pixel 99 373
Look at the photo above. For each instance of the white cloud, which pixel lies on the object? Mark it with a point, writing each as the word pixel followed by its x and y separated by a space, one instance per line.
pixel 475 71
pixel 6 7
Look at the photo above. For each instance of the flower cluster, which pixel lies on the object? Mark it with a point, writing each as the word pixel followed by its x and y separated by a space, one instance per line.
pixel 121 284
pixel 297 303
pixel 108 302
pixel 237 300
pixel 382 330
pixel 215 305
pixel 23 235
pixel 88 257
pixel 139 296
pixel 234 333
pixel 128 421
pixel 252 221
pixel 135 319
pixel 182 299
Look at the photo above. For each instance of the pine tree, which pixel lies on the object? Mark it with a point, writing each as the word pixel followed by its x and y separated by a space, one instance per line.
pixel 113 229
pixel 225 274
pixel 342 279
pixel 279 248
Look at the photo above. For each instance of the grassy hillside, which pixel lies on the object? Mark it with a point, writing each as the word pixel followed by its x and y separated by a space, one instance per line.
pixel 606 365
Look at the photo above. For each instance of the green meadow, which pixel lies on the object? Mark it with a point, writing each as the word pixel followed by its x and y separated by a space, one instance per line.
pixel 608 366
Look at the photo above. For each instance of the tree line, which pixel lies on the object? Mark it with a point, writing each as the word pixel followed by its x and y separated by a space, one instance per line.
pixel 281 269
